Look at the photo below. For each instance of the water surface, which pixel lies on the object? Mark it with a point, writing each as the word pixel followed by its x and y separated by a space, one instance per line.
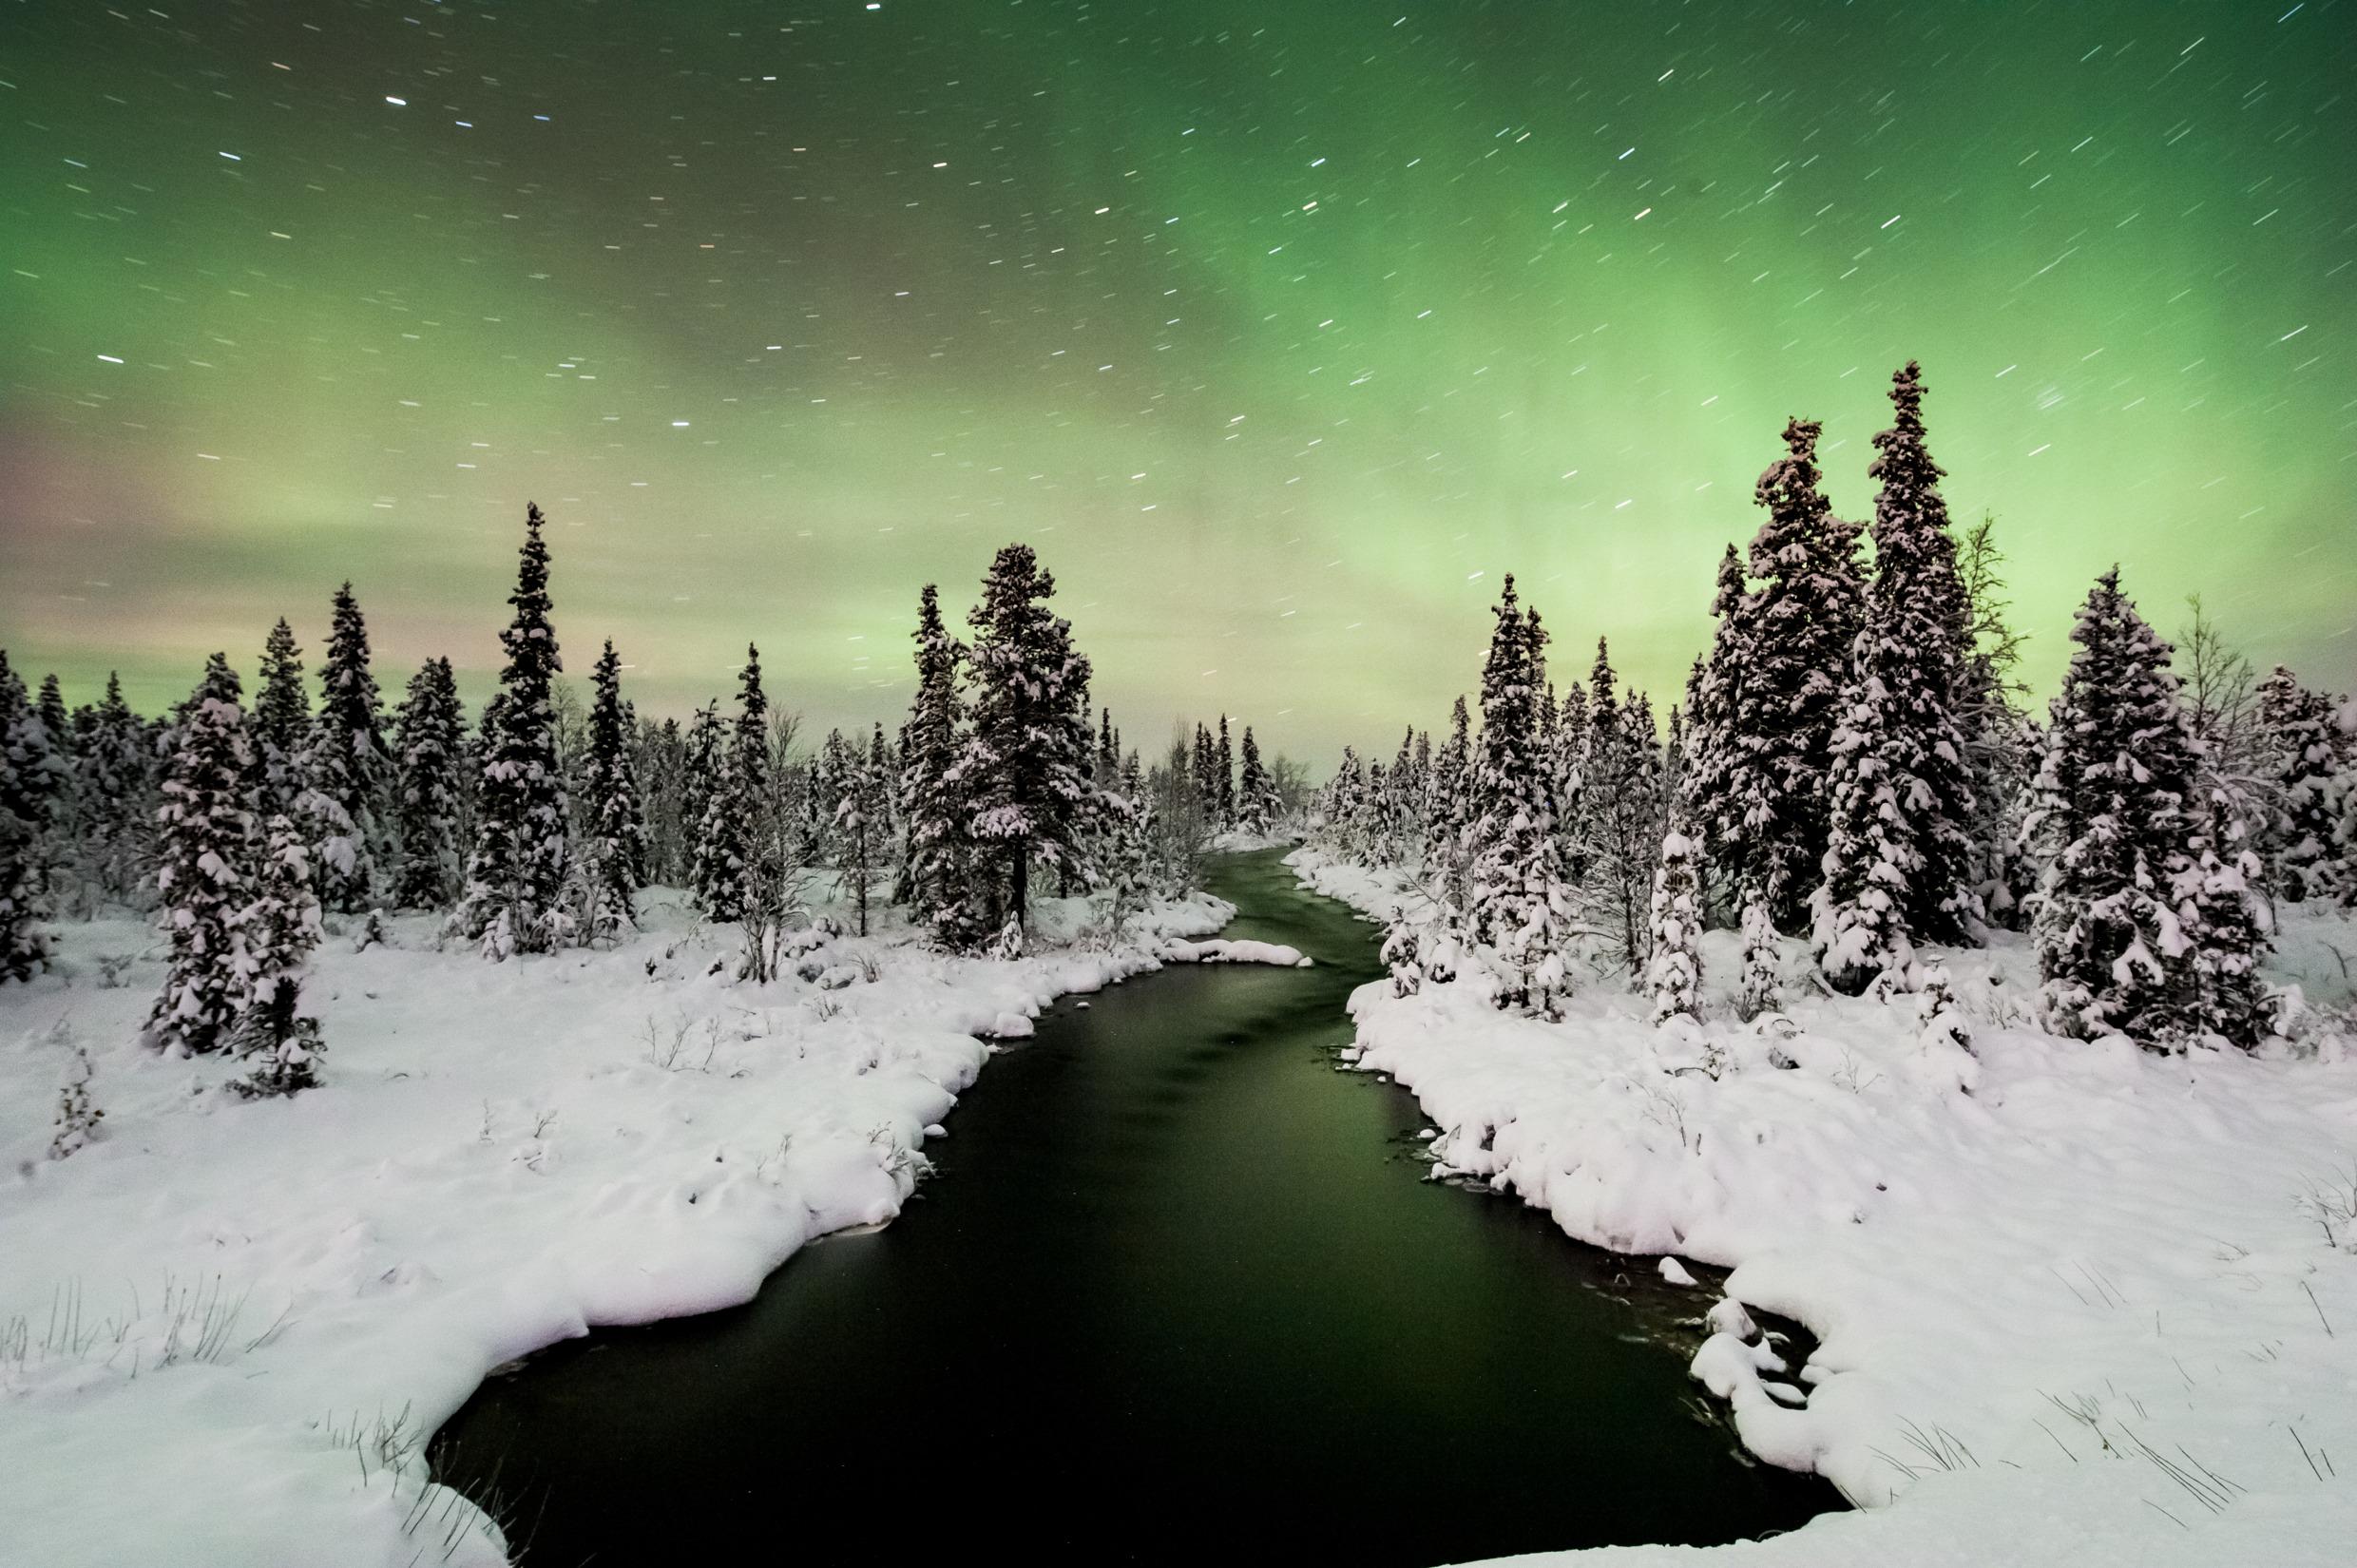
pixel 1179 1292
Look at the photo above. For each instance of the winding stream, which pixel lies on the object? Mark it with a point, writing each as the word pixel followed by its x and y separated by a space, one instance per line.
pixel 1178 1292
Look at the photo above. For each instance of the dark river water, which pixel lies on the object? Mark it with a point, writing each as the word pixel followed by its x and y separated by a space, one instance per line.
pixel 1179 1292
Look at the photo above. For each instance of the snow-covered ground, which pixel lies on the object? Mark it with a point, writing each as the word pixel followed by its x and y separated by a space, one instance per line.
pixel 2101 1309
pixel 227 1327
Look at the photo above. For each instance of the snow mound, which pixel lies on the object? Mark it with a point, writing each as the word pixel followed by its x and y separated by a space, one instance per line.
pixel 1218 951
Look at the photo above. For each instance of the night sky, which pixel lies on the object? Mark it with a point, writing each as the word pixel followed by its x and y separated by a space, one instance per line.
pixel 1281 330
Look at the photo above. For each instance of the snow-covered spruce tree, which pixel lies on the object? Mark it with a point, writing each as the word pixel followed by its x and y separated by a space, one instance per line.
pixel 1521 904
pixel 208 867
pixel 860 824
pixel 941 900
pixel 700 772
pixel 1389 800
pixel 347 770
pixel 1176 831
pixel 616 841
pixel 1795 634
pixel 731 833
pixel 1199 770
pixel 61 854
pixel 2344 862
pixel 430 735
pixel 282 720
pixel 1375 828
pixel 2226 929
pixel 1674 974
pixel 1999 762
pixel 116 765
pixel 1223 765
pixel 55 721
pixel 1620 820
pixel 1446 793
pixel 1861 909
pixel 1025 771
pixel 276 935
pixel 1711 687
pixel 2304 759
pixel 1256 803
pixel 1341 803
pixel 660 758
pixel 1674 762
pixel 883 767
pixel 515 877
pixel 1898 861
pixel 2114 810
pixel 1105 767
pixel 1918 638
pixel 24 950
pixel 39 774
pixel 1426 937
pixel 1125 864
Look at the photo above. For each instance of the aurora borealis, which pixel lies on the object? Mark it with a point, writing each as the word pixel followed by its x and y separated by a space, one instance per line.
pixel 1282 332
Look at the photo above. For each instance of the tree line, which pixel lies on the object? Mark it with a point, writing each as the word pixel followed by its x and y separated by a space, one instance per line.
pixel 1854 763
pixel 536 829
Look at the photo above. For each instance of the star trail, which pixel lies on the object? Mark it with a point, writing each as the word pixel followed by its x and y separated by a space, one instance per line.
pixel 1282 332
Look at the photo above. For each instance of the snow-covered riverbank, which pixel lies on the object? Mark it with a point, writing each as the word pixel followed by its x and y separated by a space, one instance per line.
pixel 2086 1312
pixel 226 1327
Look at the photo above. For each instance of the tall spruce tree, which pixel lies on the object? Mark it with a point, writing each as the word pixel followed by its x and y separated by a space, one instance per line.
pixel 25 791
pixel 1706 785
pixel 1107 768
pixel 1257 806
pixel 117 766
pixel 732 830
pixel 1798 627
pixel 1223 779
pixel 1999 757
pixel 430 734
pixel 1674 973
pixel 209 868
pixel 1521 904
pixel 1620 835
pixel 1899 861
pixel 1447 793
pixel 2114 815
pixel 515 875
pixel 282 720
pixel 1907 505
pixel 276 932
pixel 2306 751
pixel 347 769
pixel 65 797
pixel 661 765
pixel 55 721
pixel 939 855
pixel 616 848
pixel 40 774
pixel 1025 771
pixel 706 755
pixel 858 823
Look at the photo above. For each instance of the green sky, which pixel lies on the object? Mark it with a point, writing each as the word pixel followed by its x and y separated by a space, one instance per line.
pixel 1281 331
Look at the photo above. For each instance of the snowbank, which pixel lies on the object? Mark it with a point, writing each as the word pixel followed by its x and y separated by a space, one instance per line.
pixel 1182 951
pixel 2088 1311
pixel 226 1327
